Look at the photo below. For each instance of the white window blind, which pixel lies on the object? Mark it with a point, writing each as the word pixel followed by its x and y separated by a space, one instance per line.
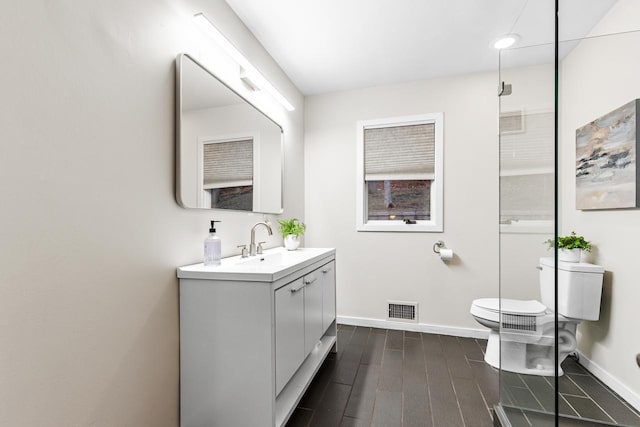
pixel 228 164
pixel 399 152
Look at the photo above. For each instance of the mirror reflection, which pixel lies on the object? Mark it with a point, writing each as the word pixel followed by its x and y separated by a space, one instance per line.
pixel 229 154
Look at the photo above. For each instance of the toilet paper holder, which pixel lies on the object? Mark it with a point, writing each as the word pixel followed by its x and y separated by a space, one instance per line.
pixel 437 246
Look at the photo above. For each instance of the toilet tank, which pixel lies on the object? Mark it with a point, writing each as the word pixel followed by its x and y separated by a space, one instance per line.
pixel 579 288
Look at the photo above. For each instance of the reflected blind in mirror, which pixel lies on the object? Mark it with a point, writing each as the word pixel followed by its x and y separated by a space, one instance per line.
pixel 228 164
pixel 399 152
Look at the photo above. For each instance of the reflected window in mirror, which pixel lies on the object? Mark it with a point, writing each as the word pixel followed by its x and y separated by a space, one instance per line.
pixel 227 173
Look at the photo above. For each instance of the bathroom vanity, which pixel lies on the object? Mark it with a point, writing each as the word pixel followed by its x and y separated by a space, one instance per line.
pixel 253 333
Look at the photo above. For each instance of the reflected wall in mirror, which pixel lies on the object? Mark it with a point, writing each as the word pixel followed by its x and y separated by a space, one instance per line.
pixel 229 155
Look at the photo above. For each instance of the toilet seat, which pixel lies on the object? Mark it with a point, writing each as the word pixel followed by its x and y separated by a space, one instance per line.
pixel 489 308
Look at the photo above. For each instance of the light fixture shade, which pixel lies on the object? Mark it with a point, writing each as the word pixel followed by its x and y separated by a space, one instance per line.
pixel 248 70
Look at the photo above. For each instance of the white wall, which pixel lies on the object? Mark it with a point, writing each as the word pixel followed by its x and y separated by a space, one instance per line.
pixel 90 233
pixel 598 76
pixel 374 267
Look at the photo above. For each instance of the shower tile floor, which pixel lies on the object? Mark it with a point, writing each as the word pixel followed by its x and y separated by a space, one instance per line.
pixel 390 378
pixel 526 398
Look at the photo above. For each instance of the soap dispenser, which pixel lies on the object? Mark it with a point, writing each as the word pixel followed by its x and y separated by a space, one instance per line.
pixel 212 247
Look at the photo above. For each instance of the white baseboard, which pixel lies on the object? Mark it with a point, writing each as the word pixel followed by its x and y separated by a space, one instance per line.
pixel 610 381
pixel 414 327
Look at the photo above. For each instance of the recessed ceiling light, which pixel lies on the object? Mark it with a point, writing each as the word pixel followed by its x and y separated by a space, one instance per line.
pixel 506 41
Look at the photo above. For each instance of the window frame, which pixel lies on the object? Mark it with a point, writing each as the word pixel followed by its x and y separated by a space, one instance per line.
pixel 435 223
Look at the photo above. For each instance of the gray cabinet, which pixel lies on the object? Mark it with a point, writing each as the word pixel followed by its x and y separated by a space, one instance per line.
pixel 312 310
pixel 290 331
pixel 328 272
pixel 252 339
pixel 299 318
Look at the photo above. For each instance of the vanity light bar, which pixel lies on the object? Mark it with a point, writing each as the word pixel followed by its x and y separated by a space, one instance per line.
pixel 250 71
pixel 246 79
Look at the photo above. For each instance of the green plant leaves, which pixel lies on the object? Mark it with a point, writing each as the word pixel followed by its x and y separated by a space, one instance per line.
pixel 571 241
pixel 291 226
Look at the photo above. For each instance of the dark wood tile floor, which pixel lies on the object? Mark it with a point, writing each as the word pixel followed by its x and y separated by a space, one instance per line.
pixel 391 378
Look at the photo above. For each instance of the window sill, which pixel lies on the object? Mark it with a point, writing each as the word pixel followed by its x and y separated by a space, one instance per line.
pixel 527 227
pixel 401 227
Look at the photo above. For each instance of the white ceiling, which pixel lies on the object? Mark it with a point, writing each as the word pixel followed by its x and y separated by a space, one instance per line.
pixel 331 45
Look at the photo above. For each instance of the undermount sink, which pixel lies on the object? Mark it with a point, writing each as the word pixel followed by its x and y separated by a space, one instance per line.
pixel 269 266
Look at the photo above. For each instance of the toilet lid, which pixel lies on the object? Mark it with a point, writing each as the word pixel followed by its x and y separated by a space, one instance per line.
pixel 582 267
pixel 511 306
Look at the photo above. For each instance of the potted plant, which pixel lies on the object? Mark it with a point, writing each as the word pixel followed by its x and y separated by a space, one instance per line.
pixel 291 230
pixel 570 247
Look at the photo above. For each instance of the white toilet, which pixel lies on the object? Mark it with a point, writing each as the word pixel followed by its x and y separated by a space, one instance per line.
pixel 527 328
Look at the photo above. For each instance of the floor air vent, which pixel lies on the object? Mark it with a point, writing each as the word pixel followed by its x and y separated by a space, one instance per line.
pixel 403 311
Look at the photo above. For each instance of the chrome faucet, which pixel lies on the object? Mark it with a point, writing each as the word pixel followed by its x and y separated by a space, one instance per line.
pixel 252 246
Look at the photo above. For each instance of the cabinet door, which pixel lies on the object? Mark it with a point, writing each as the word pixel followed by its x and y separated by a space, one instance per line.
pixel 289 316
pixel 312 310
pixel 328 272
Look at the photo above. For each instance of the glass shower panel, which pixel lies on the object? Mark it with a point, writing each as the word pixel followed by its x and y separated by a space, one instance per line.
pixel 546 178
pixel 527 212
pixel 597 75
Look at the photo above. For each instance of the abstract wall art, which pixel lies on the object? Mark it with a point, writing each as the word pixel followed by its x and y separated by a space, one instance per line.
pixel 607 176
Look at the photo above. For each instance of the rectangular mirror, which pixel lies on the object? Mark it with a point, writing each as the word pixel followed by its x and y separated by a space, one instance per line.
pixel 229 154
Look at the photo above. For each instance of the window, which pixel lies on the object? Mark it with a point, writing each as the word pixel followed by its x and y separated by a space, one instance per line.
pixel 399 174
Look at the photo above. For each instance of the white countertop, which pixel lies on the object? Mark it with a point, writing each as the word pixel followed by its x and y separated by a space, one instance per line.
pixel 270 266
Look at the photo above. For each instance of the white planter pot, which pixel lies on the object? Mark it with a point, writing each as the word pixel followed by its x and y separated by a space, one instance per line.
pixel 291 242
pixel 569 255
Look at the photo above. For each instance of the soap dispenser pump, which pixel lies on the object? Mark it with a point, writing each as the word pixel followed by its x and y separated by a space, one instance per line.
pixel 212 247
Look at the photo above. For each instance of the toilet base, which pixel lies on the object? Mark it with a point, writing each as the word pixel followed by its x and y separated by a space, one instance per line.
pixel 521 357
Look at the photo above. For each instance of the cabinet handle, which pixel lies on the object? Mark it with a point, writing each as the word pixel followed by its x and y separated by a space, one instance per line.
pixel 308 282
pixel 326 270
pixel 294 290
